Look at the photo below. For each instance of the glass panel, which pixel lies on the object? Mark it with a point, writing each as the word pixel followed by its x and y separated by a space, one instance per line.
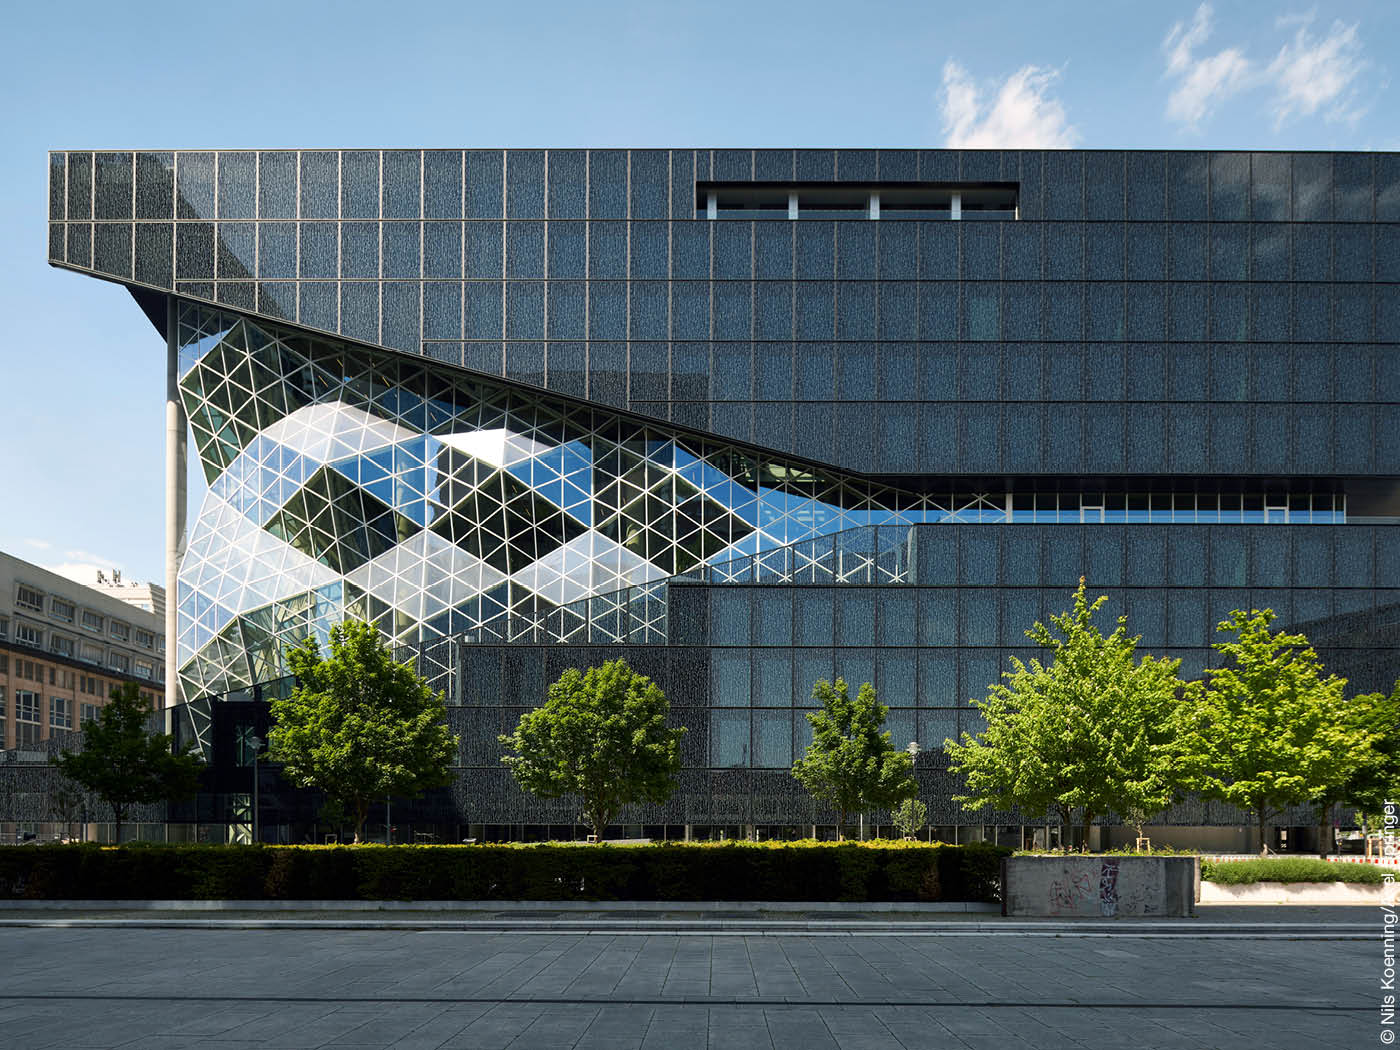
pixel 403 184
pixel 277 185
pixel 525 184
pixel 729 677
pixel 729 739
pixel 320 185
pixel 112 191
pixel 237 177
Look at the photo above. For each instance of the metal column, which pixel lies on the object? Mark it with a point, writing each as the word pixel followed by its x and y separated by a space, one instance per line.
pixel 176 453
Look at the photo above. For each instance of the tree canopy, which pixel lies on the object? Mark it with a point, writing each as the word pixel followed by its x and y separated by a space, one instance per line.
pixel 910 817
pixel 850 764
pixel 1269 731
pixel 600 734
pixel 359 726
pixel 1089 731
pixel 1377 780
pixel 125 763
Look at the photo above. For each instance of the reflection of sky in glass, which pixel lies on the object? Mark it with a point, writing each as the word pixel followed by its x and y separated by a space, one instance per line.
pixel 347 482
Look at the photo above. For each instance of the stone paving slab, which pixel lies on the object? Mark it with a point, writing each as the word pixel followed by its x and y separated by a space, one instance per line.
pixel 411 989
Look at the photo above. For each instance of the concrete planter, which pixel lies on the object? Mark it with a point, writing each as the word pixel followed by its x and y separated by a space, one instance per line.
pixel 1081 886
pixel 1308 893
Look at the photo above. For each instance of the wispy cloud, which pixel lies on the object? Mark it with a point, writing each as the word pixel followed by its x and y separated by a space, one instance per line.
pixel 1205 81
pixel 1312 75
pixel 1017 112
pixel 41 545
pixel 89 556
pixel 1309 75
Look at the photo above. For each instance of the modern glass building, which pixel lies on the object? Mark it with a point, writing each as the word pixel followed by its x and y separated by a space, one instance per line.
pixel 753 418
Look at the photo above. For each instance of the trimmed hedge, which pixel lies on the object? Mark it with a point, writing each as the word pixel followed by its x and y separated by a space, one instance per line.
pixel 806 871
pixel 1288 869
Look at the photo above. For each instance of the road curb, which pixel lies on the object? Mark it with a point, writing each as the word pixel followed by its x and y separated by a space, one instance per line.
pixel 748 907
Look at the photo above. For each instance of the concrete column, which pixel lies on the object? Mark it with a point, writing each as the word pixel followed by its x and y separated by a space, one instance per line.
pixel 176 453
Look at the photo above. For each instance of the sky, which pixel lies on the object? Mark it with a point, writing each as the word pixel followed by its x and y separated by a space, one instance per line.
pixel 82 370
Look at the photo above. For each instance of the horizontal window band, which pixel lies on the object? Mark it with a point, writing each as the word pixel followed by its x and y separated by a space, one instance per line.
pixel 937 282
pixel 699 220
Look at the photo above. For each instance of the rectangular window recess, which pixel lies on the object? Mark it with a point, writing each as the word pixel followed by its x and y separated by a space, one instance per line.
pixel 852 200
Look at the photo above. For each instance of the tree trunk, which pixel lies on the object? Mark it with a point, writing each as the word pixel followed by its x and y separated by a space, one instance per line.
pixel 361 815
pixel 840 825
pixel 1263 831
pixel 1324 831
pixel 598 820
pixel 1088 823
pixel 117 816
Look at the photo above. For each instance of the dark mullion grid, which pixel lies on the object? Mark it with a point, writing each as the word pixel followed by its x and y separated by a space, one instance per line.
pixel 587 274
pixel 544 269
pixel 462 263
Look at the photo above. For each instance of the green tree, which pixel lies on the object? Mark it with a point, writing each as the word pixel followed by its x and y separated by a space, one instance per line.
pixel 359 726
pixel 850 764
pixel 1269 731
pixel 910 817
pixel 1377 780
pixel 1088 732
pixel 1377 717
pixel 66 802
pixel 601 734
pixel 124 763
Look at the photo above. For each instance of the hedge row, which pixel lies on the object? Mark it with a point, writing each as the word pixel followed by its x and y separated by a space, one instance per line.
pixel 810 871
pixel 1288 869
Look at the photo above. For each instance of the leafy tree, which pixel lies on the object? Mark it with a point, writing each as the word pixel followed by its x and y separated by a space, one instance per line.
pixel 1089 732
pixel 124 763
pixel 1269 731
pixel 600 734
pixel 910 817
pixel 850 764
pixel 66 802
pixel 1377 717
pixel 1377 780
pixel 359 726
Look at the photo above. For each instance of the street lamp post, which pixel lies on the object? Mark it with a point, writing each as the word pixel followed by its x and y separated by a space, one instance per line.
pixel 913 750
pixel 256 743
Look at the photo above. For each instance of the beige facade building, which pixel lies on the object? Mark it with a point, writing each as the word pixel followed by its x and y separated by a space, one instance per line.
pixel 147 596
pixel 63 647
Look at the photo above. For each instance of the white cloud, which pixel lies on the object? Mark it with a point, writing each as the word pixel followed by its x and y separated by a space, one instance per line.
pixel 80 572
pixel 1311 75
pixel 82 566
pixel 1202 82
pixel 42 545
pixel 89 556
pixel 1017 113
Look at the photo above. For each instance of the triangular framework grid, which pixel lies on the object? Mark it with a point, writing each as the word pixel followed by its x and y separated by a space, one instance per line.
pixel 433 502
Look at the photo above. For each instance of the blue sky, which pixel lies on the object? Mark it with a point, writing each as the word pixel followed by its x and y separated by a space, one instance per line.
pixel 81 434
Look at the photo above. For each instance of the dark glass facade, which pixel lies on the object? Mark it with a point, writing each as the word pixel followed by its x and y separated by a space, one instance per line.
pixel 526 409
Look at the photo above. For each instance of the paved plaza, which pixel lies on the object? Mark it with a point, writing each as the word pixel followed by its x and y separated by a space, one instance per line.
pixel 569 981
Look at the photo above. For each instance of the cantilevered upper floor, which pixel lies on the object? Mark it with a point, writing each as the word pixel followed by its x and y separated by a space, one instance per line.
pixel 895 312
